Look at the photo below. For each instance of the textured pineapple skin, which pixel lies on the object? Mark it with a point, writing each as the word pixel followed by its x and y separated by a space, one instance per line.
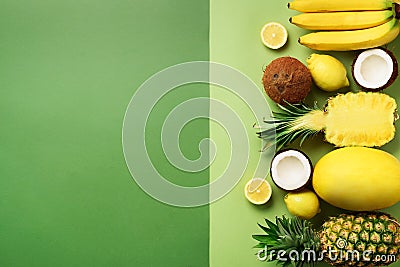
pixel 360 119
pixel 365 231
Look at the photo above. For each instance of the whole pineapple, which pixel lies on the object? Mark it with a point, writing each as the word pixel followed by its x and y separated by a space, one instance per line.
pixel 359 239
pixel 351 119
pixel 376 233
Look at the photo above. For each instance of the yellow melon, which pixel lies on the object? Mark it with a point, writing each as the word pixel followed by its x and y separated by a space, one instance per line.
pixel 358 178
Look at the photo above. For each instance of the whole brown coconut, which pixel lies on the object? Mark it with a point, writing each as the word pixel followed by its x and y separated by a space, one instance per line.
pixel 287 79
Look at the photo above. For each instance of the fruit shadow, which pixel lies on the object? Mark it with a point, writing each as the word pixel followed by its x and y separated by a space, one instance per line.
pixel 314 147
pixel 327 211
pixel 264 207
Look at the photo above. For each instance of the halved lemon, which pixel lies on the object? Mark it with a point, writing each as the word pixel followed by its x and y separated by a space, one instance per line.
pixel 274 35
pixel 258 191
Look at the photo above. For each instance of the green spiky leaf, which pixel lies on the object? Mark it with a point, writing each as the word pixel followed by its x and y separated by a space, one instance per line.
pixel 287 125
pixel 286 235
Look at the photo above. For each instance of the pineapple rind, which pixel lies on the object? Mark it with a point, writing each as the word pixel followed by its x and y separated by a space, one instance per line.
pixel 360 119
pixel 363 236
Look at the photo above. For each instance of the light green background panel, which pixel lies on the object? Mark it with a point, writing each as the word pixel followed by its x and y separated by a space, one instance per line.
pixel 68 70
pixel 235 41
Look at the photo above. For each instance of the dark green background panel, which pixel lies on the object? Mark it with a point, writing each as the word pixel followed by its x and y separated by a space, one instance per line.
pixel 67 72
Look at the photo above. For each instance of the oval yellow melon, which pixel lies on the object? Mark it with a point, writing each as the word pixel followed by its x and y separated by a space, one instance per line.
pixel 358 178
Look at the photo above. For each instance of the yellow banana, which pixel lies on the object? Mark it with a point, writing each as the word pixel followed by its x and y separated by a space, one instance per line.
pixel 341 20
pixel 352 40
pixel 339 5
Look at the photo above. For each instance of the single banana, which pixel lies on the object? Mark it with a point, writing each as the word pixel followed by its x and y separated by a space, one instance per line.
pixel 352 40
pixel 350 20
pixel 339 5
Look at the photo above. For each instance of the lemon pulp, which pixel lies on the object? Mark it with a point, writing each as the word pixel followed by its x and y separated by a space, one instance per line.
pixel 274 35
pixel 258 191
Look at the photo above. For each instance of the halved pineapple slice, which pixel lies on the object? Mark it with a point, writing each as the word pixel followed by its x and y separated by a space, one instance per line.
pixel 362 119
pixel 351 119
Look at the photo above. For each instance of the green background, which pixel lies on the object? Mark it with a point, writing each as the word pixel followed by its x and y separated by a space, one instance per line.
pixel 68 70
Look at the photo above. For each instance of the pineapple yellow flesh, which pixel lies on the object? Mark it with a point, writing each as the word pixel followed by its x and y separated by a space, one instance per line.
pixel 314 120
pixel 351 119
pixel 362 119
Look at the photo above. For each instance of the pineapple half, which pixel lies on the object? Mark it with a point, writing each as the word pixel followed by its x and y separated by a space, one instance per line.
pixel 351 119
pixel 359 239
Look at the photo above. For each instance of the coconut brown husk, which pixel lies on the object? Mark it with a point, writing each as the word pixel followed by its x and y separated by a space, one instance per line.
pixel 395 72
pixel 287 79
pixel 397 10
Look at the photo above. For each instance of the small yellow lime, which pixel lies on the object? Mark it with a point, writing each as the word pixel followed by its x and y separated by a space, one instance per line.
pixel 258 191
pixel 303 204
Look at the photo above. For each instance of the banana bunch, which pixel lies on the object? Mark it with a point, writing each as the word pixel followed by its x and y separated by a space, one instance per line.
pixel 343 25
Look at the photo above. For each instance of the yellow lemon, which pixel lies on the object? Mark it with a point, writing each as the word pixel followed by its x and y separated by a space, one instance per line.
pixel 258 191
pixel 303 204
pixel 328 73
pixel 274 35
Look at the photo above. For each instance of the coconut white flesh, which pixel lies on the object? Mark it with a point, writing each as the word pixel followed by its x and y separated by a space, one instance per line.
pixel 373 68
pixel 290 170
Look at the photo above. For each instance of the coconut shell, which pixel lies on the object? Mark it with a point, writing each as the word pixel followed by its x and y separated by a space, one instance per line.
pixel 397 10
pixel 287 79
pixel 395 72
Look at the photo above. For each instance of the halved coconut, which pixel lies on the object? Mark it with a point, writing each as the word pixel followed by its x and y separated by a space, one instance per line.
pixel 375 69
pixel 291 169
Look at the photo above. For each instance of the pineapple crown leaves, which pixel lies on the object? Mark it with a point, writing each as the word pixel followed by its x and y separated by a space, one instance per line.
pixel 287 235
pixel 286 129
